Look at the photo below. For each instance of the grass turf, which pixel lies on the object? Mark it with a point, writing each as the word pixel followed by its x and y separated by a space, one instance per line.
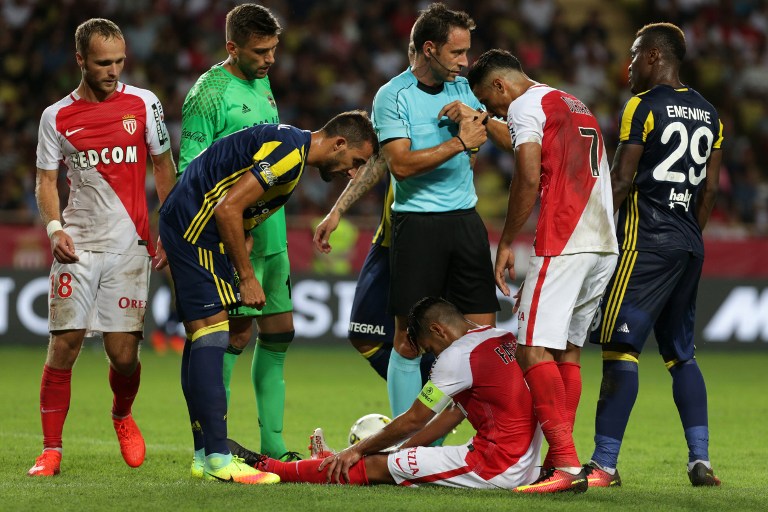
pixel 331 387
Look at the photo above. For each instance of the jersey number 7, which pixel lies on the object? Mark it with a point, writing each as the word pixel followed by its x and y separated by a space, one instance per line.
pixel 594 146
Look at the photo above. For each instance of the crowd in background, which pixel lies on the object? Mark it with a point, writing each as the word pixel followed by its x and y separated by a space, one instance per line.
pixel 335 54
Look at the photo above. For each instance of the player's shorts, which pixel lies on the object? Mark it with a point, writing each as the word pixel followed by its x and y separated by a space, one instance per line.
pixel 203 279
pixel 651 290
pixel 103 292
pixel 445 465
pixel 443 255
pixel 274 273
pixel 369 319
pixel 560 297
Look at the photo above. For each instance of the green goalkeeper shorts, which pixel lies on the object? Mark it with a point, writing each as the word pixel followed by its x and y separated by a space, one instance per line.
pixel 274 274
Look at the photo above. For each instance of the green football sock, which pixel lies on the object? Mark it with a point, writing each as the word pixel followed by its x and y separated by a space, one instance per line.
pixel 230 357
pixel 269 385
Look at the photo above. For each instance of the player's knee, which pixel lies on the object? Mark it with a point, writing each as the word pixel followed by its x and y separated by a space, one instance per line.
pixel 620 352
pixel 276 341
pixel 677 363
pixel 214 336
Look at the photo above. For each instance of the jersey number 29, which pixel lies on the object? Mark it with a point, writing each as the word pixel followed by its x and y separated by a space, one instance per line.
pixel 663 172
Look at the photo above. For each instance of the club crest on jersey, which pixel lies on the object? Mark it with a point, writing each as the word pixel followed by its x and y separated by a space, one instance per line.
pixel 271 101
pixel 129 123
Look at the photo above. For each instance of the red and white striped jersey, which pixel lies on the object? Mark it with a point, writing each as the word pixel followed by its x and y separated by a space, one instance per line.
pixel 104 146
pixel 576 199
pixel 480 373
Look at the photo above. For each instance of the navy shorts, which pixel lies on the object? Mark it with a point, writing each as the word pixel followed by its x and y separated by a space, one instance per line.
pixel 369 320
pixel 651 290
pixel 445 255
pixel 202 278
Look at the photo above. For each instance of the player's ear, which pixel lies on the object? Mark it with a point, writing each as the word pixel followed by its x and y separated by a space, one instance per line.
pixel 339 143
pixel 231 48
pixel 653 54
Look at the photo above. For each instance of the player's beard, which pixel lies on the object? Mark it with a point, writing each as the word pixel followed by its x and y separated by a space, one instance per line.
pixel 99 85
pixel 328 171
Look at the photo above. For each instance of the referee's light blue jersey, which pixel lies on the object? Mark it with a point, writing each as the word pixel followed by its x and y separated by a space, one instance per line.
pixel 405 108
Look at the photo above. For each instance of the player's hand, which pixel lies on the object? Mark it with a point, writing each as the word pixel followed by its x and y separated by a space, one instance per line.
pixel 505 260
pixel 63 247
pixel 457 112
pixel 517 298
pixel 251 293
pixel 472 132
pixel 323 231
pixel 338 465
pixel 160 257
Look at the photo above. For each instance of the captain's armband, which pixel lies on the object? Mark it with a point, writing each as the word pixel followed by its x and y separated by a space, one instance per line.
pixel 433 398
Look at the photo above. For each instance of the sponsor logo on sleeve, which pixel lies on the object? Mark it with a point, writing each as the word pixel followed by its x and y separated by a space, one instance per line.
pixel 267 174
pixel 162 134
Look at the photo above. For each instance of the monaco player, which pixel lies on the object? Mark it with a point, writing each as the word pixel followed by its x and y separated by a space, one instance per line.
pixel 559 153
pixel 103 132
pixel 475 376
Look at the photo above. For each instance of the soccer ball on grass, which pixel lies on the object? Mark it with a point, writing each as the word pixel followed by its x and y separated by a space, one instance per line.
pixel 366 427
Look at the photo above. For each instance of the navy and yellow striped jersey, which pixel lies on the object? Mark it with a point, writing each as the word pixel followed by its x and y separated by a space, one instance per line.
pixel 679 130
pixel 274 153
pixel 383 234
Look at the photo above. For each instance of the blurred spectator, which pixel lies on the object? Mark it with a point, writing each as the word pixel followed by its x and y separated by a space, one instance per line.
pixel 335 55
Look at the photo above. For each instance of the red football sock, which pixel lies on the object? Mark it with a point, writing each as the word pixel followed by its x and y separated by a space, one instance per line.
pixel 548 395
pixel 55 394
pixel 571 375
pixel 306 471
pixel 124 388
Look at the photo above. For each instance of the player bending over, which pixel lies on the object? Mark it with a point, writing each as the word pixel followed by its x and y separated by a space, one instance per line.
pixel 475 376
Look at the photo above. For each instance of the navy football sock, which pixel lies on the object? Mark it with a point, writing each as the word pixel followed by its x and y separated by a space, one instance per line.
pixel 618 393
pixel 690 394
pixel 197 432
pixel 206 360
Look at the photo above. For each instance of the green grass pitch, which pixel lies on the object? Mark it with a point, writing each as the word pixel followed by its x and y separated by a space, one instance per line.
pixel 331 387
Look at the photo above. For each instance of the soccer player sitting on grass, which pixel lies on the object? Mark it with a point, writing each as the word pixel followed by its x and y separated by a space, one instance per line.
pixel 475 376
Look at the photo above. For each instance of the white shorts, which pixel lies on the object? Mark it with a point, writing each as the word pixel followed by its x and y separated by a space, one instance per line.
pixel 103 292
pixel 445 465
pixel 560 297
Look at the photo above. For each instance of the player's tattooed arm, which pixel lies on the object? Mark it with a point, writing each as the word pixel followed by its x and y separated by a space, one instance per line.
pixel 164 171
pixel 367 176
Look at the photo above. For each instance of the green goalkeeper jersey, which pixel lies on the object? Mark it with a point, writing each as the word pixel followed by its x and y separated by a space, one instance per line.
pixel 219 104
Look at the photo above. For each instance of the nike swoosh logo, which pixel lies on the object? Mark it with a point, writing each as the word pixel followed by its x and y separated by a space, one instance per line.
pixel 45 411
pixel 36 468
pixel 72 132
pixel 230 479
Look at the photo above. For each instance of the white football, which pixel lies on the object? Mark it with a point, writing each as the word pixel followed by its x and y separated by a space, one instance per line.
pixel 366 427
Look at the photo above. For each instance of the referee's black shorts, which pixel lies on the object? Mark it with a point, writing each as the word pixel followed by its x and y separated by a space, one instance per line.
pixel 441 254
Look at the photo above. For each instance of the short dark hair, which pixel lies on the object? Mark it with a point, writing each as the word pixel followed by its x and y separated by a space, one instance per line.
pixel 355 126
pixel 426 311
pixel 247 20
pixel 490 61
pixel 435 22
pixel 668 37
pixel 95 26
